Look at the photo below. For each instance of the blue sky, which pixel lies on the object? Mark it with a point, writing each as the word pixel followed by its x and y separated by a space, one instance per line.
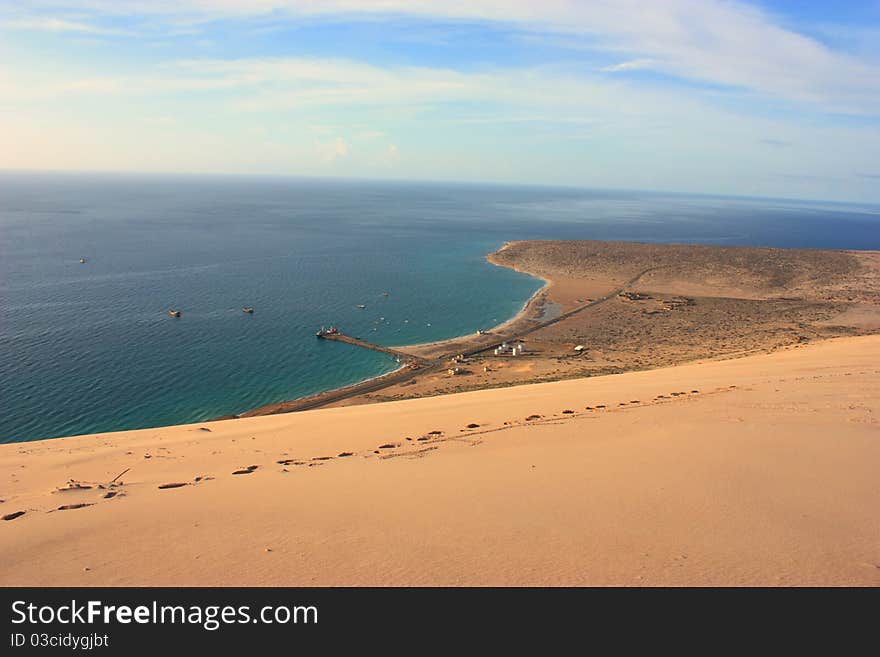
pixel 779 98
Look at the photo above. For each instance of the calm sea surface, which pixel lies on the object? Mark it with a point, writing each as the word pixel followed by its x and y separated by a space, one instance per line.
pixel 90 347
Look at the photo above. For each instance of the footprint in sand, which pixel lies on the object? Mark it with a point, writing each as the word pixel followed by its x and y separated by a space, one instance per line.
pixel 13 516
pixel 247 470
pixel 322 458
pixel 70 507
pixel 389 446
pixel 177 484
pixel 435 433
pixel 473 425
pixel 533 417
pixel 344 454
pixel 567 411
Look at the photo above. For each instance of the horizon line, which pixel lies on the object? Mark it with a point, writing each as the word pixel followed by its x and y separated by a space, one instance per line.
pixel 432 181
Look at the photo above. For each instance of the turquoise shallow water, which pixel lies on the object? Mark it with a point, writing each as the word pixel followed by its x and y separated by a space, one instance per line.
pixel 90 348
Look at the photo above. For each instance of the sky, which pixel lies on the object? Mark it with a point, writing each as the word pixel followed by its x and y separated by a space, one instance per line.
pixel 777 98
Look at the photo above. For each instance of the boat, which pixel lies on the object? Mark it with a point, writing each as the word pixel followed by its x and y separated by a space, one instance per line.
pixel 324 332
pixel 248 310
pixel 82 261
pixel 361 306
pixel 386 294
pixel 174 313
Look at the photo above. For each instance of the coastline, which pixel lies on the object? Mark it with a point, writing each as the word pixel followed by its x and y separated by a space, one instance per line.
pixel 532 311
pixel 649 306
pixel 319 398
pixel 630 306
pixel 582 275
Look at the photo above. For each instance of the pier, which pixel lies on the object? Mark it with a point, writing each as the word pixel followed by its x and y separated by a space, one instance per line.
pixel 404 357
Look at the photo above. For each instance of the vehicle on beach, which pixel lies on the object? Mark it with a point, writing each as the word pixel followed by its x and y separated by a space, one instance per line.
pixel 174 313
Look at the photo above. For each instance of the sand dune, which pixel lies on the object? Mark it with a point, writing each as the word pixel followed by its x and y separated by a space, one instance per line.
pixel 760 470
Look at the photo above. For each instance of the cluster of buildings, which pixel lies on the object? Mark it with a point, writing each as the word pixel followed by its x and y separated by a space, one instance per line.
pixel 513 349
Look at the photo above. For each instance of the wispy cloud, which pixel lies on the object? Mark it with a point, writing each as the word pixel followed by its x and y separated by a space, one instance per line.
pixel 331 151
pixel 59 25
pixel 718 41
pixel 632 65
pixel 726 99
pixel 777 143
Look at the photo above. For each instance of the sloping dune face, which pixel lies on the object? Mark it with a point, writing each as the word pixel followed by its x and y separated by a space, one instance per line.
pixel 755 471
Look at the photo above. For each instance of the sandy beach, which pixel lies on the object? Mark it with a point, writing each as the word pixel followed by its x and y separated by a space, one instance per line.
pixel 752 471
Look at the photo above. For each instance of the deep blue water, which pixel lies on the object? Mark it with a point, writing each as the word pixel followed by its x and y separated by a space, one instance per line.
pixel 90 348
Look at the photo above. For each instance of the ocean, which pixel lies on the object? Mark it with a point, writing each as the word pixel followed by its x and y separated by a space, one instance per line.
pixel 88 348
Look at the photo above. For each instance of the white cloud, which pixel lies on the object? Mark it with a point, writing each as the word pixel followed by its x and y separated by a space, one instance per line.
pixel 718 41
pixel 388 157
pixel 58 25
pixel 529 124
pixel 332 151
pixel 632 65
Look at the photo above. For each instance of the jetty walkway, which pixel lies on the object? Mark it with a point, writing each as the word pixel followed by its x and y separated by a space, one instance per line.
pixel 404 357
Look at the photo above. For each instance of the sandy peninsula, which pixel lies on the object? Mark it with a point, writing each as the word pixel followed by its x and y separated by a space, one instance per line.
pixel 614 307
